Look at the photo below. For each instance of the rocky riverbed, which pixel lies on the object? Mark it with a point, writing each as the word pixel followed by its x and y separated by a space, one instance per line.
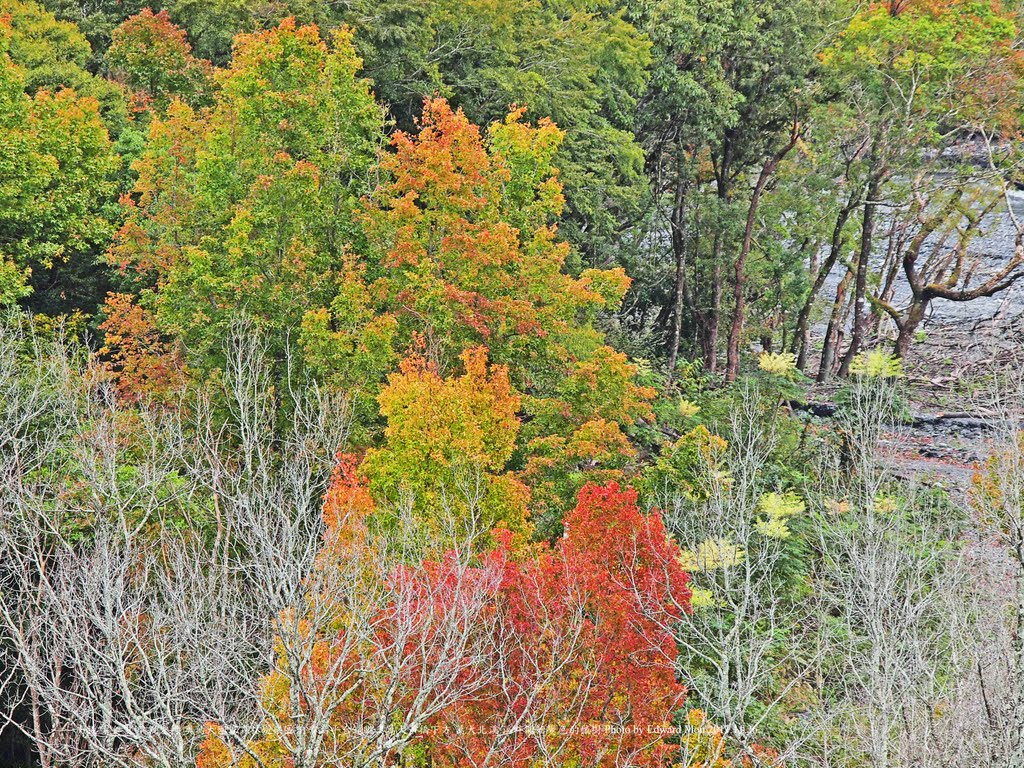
pixel 961 350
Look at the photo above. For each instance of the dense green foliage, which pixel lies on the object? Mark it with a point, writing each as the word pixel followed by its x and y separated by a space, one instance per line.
pixel 58 186
pixel 529 291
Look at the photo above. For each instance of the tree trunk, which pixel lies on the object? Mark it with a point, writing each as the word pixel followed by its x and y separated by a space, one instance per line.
pixel 710 331
pixel 679 225
pixel 800 333
pixel 891 267
pixel 828 351
pixel 677 318
pixel 732 364
pixel 860 313
pixel 42 746
pixel 908 326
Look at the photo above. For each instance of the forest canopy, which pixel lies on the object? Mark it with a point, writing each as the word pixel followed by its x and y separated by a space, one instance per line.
pixel 510 383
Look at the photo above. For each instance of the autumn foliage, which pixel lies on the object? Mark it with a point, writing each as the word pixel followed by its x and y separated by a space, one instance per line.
pixel 142 363
pixel 571 653
pixel 543 283
pixel 153 57
pixel 586 659
pixel 56 169
pixel 240 210
pixel 443 434
pixel 275 207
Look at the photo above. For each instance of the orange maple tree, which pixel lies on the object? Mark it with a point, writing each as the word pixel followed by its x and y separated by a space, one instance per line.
pixel 561 654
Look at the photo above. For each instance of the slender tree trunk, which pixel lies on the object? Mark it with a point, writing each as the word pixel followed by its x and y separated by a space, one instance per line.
pixel 732 352
pixel 860 308
pixel 828 351
pixel 677 318
pixel 679 227
pixel 891 269
pixel 713 316
pixel 800 333
pixel 732 365
pixel 42 747
pixel 723 185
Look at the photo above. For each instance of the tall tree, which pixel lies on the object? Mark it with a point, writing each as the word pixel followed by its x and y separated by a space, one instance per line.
pixel 56 191
pixel 55 54
pixel 920 76
pixel 731 84
pixel 579 63
pixel 96 19
pixel 153 57
pixel 248 208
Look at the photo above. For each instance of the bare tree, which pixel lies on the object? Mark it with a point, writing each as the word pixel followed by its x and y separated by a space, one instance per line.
pixel 975 723
pixel 40 398
pixel 997 560
pixel 888 571
pixel 930 244
pixel 896 579
pixel 748 642
pixel 123 627
pixel 171 566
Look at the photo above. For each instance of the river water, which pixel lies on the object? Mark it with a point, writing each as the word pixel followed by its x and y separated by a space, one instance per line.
pixel 992 320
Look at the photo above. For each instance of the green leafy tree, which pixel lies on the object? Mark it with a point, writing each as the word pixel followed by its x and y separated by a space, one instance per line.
pixel 731 83
pixel 54 54
pixel 213 24
pixel 96 20
pixel 57 169
pixel 247 209
pixel 579 63
pixel 918 75
pixel 153 57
